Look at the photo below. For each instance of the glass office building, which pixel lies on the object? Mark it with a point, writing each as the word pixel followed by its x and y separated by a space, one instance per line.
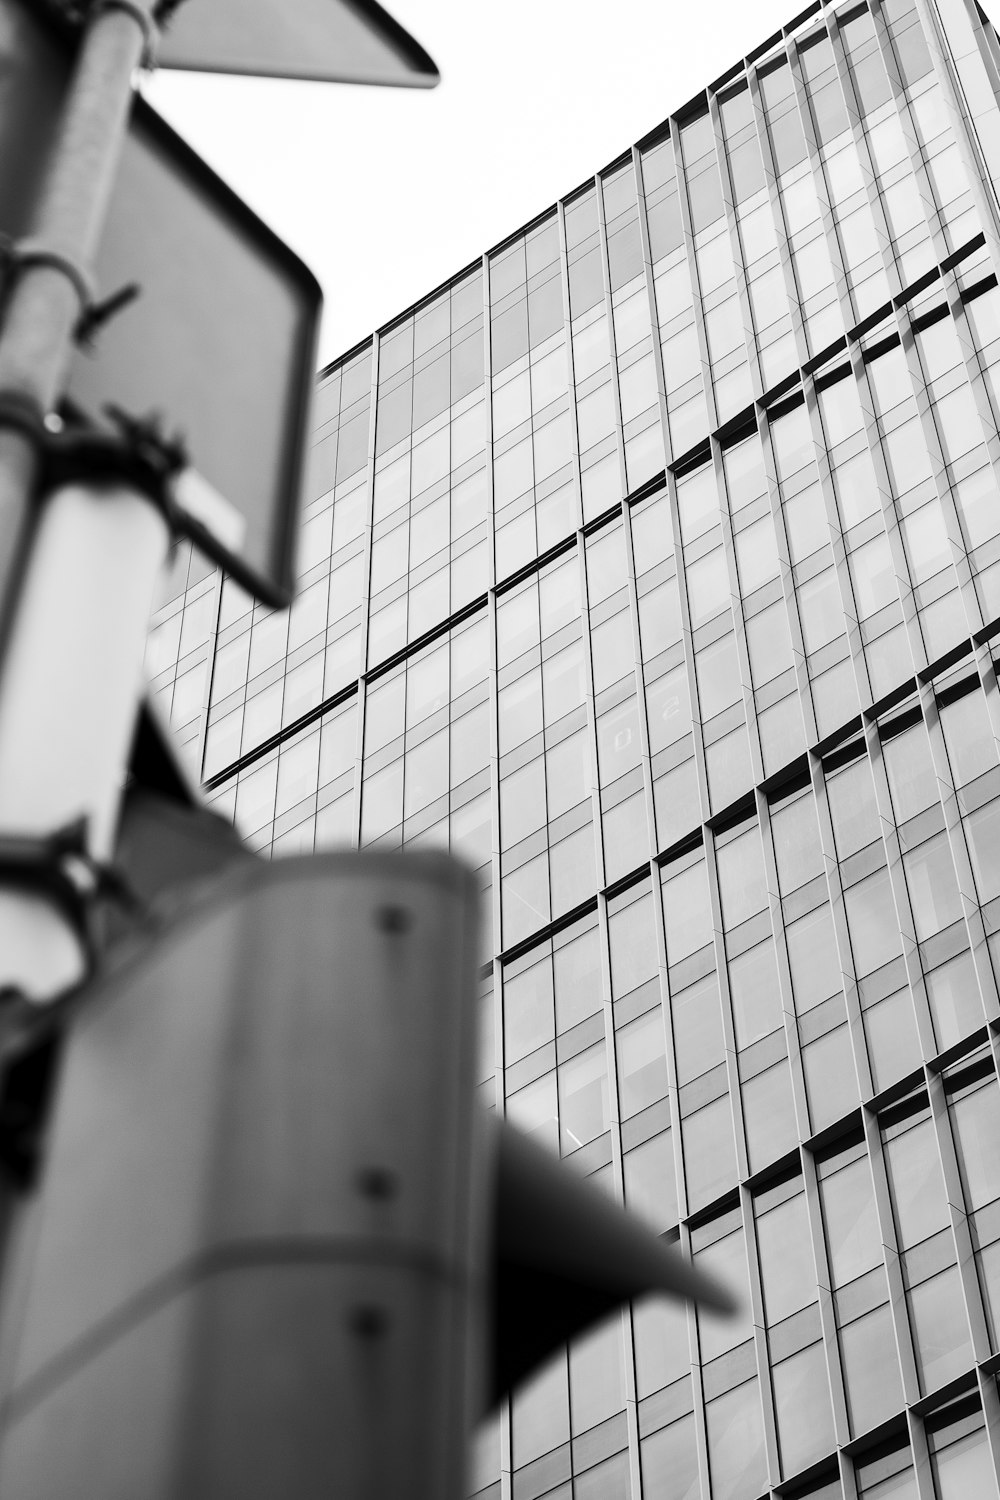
pixel 653 565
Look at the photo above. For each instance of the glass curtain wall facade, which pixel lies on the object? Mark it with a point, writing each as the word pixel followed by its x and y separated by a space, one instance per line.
pixel 653 566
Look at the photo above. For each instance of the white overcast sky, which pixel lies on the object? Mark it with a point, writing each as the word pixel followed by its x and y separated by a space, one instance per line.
pixel 387 192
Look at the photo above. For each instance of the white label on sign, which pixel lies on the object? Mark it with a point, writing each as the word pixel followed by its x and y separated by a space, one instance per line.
pixel 200 500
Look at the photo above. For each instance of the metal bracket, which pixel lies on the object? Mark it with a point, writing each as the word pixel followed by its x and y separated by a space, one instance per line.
pixel 137 453
pixel 94 317
pixel 93 314
pixel 24 414
pixel 18 257
pixel 60 866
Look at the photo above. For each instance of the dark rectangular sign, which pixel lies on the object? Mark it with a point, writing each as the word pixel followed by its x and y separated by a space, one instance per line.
pixel 221 341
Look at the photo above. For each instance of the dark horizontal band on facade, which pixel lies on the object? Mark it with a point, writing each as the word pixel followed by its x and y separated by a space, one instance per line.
pixel 550 930
pixel 289 732
pixel 427 639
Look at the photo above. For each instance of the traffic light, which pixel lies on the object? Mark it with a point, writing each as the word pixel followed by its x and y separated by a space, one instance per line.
pixel 277 1246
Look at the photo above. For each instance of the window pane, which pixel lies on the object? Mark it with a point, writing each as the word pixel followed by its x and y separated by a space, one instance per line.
pixel 983 829
pixel 854 1243
pixel 851 794
pixel 687 912
pixel 699 1043
pixel 650 1182
pixel 813 959
pixel 527 1003
pixel 660 1336
pixel 940 1329
pixel 742 885
pixel 540 1416
pixel 583 1098
pixel 916 1183
pixel 642 1063
pixel 607 1481
pixel 670 1462
pixel 967 733
pixel 912 779
pixel 786 1267
pixel 756 999
pixel 577 974
pixel 871 1370
pixel 964 1469
pixel 726 1261
pixel 871 917
pixel 976 1127
pixel 597 1374
pixel 736 1443
pixel 797 850
pixel 933 887
pixel 802 1408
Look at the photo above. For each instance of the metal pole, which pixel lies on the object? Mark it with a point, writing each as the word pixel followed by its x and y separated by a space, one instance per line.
pixel 35 348
pixel 71 681
pixel 44 303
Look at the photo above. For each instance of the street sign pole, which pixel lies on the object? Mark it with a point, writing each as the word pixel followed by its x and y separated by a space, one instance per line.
pixel 51 287
pixel 44 646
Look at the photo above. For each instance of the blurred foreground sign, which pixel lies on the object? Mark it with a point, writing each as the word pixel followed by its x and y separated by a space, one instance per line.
pixel 221 340
pixel 335 41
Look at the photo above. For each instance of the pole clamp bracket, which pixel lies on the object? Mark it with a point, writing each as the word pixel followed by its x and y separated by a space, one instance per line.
pixel 93 314
pixel 59 866
pixel 137 453
pixel 24 414
pixel 17 257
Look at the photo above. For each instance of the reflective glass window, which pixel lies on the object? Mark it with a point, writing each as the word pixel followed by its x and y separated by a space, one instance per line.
pixel 871 917
pixel 797 850
pixel 969 737
pixel 813 959
pixel 527 1008
pixel 853 809
pixel 642 1063
pixel 583 1098
pixel 754 992
pixel 670 1462
pixel 660 1338
pixel 597 1374
pixel 742 883
pixel 736 1443
pixel 725 1259
pixel 577 977
pixel 786 1264
pixel 871 1369
pixel 687 912
pixel 847 1196
pixel 697 1022
pixel 917 1186
pixel 633 945
pixel 540 1412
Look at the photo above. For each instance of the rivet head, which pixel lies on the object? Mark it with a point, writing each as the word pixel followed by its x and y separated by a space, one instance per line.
pixel 392 918
pixel 369 1322
pixel 376 1182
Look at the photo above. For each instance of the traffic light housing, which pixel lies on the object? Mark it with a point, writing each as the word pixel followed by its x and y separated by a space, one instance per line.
pixel 277 1246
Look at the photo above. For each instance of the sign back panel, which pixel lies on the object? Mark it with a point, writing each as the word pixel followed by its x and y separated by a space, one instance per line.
pixel 221 342
pixel 335 41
